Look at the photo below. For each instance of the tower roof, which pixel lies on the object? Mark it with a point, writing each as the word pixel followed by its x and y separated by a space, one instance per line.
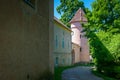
pixel 79 16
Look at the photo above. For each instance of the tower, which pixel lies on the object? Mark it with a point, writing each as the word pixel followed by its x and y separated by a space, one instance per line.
pixel 78 37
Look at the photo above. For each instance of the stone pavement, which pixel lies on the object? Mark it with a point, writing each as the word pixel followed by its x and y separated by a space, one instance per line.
pixel 79 73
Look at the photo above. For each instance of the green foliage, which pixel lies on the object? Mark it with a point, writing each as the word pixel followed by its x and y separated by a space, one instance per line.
pixel 101 75
pixel 117 71
pixel 105 49
pixel 46 75
pixel 101 55
pixel 106 13
pixel 114 47
pixel 67 9
pixel 103 31
pixel 58 71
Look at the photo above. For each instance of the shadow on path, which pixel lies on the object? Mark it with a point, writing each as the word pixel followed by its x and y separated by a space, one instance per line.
pixel 79 73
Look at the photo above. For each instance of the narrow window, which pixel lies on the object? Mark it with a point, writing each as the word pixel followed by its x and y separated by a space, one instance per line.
pixel 63 33
pixel 56 61
pixel 30 2
pixel 56 41
pixel 80 49
pixel 63 43
pixel 80 35
pixel 63 61
pixel 68 44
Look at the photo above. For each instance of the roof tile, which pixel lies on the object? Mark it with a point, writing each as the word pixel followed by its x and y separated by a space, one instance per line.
pixel 79 16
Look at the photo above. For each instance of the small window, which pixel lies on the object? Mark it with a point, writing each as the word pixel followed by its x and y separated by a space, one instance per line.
pixel 56 41
pixel 63 61
pixel 31 3
pixel 68 44
pixel 63 45
pixel 56 61
pixel 80 49
pixel 63 33
pixel 80 36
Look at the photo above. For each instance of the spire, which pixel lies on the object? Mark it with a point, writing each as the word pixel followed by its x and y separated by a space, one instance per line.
pixel 79 16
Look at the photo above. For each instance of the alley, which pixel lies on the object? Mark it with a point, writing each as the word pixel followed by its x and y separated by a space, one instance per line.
pixel 79 73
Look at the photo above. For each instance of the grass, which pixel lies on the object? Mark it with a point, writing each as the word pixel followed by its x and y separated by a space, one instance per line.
pixel 58 72
pixel 101 75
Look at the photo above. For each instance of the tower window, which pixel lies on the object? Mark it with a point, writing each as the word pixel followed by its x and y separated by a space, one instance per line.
pixel 80 35
pixel 80 49
pixel 30 2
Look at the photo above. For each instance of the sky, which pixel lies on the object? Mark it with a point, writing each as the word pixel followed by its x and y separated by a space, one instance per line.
pixel 87 4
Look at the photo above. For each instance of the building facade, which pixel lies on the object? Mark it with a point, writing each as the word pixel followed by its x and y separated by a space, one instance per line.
pixel 26 35
pixel 80 46
pixel 62 44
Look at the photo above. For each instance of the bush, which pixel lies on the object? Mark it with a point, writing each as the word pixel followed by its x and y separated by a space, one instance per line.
pixel 117 71
pixel 46 75
pixel 58 72
pixel 105 49
pixel 102 75
pixel 111 71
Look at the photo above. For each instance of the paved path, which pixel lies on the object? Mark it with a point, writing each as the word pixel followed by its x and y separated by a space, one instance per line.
pixel 79 73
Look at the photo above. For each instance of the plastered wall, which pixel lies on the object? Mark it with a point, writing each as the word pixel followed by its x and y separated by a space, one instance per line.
pixel 25 39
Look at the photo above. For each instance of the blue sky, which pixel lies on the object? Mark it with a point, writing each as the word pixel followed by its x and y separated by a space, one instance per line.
pixel 87 4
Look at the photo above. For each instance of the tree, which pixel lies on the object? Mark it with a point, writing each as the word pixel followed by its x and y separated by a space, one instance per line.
pixel 103 29
pixel 67 9
pixel 107 14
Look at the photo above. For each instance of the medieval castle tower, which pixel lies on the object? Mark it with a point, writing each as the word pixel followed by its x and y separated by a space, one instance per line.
pixel 80 46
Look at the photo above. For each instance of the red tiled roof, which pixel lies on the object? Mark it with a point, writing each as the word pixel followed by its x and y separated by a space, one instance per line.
pixel 79 16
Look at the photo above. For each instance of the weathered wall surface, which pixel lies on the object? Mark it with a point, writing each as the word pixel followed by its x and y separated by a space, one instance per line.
pixel 64 59
pixel 62 35
pixel 75 27
pixel 77 55
pixel 84 54
pixel 62 45
pixel 24 39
